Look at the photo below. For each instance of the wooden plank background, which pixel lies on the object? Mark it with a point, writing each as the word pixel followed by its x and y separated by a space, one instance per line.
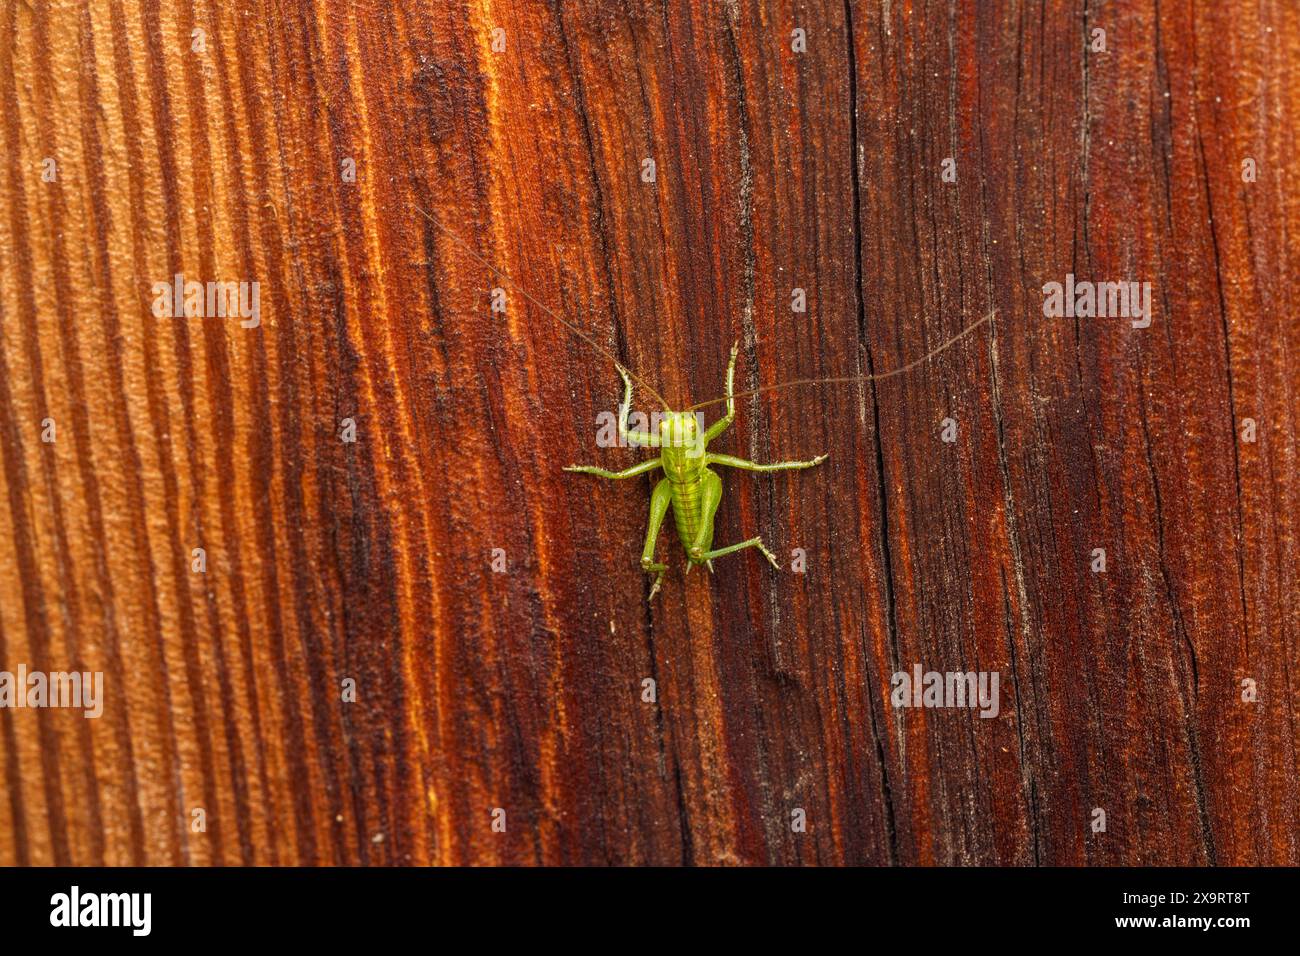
pixel 221 156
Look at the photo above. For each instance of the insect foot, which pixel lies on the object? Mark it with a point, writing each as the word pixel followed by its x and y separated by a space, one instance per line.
pixel 769 555
pixel 649 566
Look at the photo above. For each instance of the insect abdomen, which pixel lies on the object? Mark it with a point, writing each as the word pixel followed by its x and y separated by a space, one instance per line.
pixel 688 509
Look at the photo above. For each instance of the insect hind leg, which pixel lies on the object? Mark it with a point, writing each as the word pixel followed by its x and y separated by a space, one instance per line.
pixel 733 548
pixel 699 551
pixel 660 500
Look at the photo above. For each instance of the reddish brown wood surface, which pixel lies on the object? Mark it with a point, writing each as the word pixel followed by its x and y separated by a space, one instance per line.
pixel 523 690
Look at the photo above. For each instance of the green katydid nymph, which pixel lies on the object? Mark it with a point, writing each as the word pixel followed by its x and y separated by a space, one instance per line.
pixel 689 486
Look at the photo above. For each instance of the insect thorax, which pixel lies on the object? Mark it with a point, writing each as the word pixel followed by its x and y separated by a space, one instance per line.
pixel 681 438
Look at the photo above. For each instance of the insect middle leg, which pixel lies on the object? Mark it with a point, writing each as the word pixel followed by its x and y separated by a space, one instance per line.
pixel 700 553
pixel 733 462
pixel 638 469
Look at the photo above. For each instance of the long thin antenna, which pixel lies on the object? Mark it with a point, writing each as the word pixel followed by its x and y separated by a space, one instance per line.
pixel 854 378
pixel 541 305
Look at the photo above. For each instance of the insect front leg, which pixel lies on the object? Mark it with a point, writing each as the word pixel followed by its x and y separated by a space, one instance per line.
pixel 624 435
pixel 639 469
pixel 718 427
pixel 733 462
pixel 660 500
